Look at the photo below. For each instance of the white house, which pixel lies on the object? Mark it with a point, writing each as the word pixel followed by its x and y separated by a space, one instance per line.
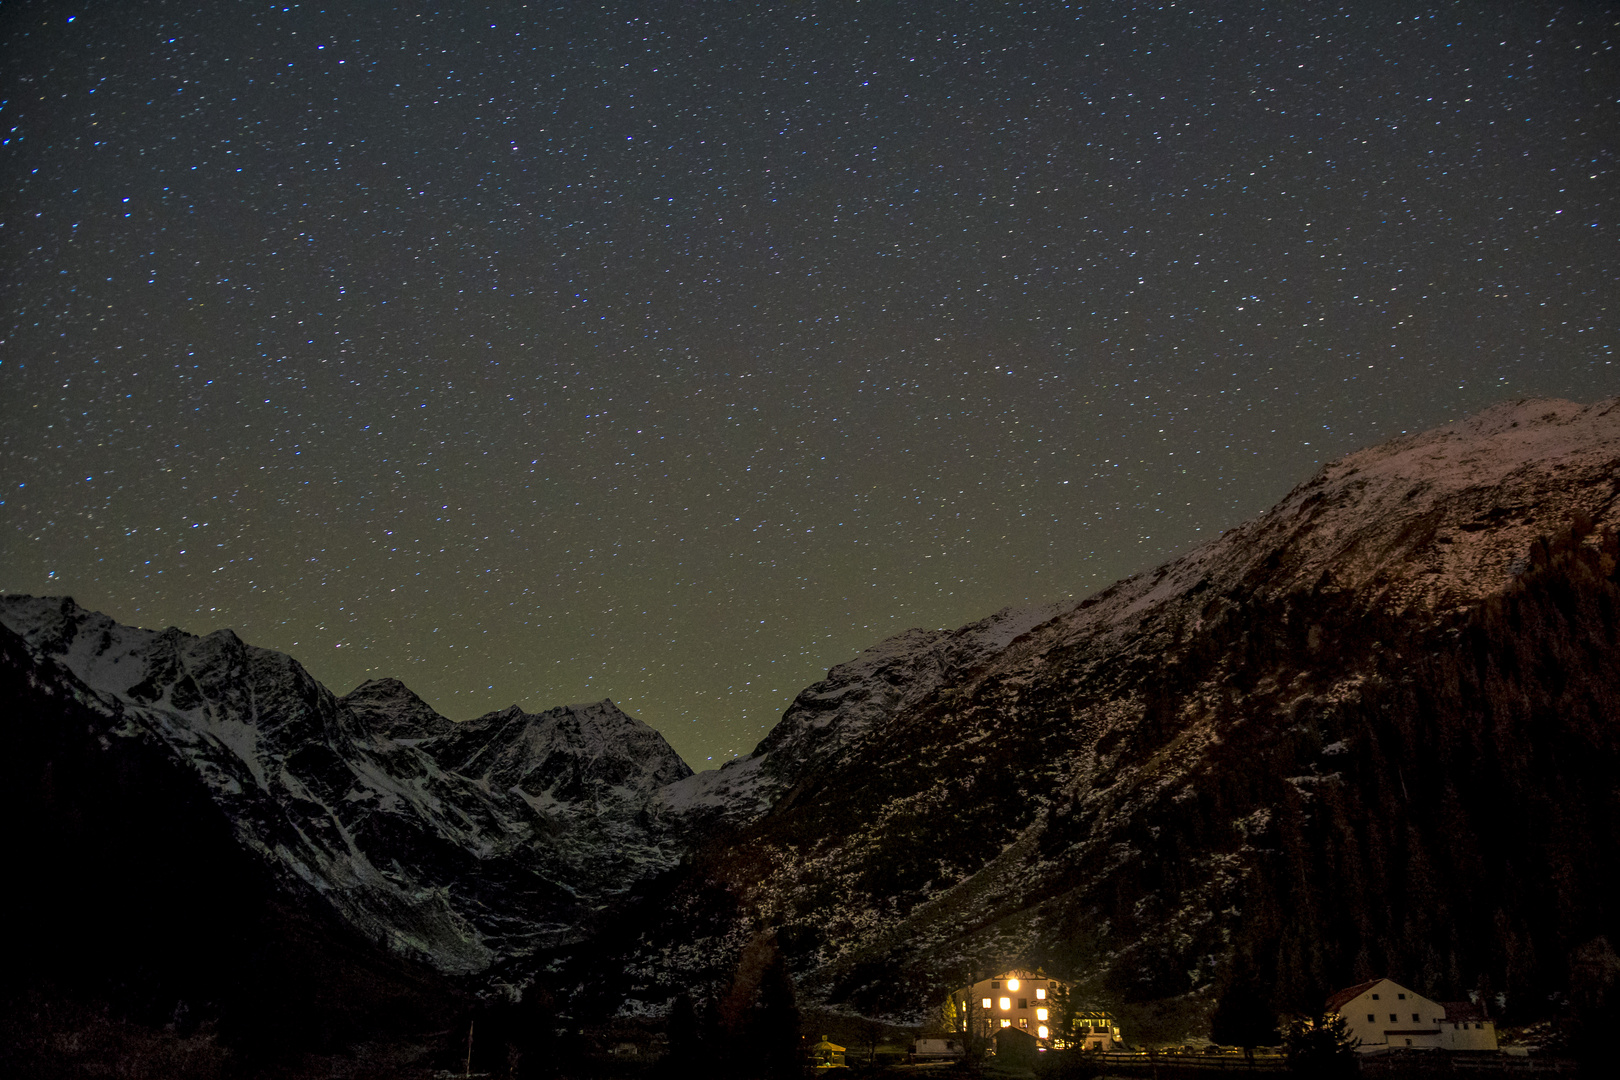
pixel 1383 1014
pixel 1466 1027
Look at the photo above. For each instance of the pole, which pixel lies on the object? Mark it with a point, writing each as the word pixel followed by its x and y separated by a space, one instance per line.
pixel 468 1069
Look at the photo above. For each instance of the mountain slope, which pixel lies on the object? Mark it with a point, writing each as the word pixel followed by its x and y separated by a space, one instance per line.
pixel 827 722
pixel 1372 731
pixel 136 894
pixel 463 847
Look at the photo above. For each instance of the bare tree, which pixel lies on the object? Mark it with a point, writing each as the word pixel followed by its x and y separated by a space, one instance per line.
pixel 960 1011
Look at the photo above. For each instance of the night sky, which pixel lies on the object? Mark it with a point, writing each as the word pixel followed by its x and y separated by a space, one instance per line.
pixel 672 352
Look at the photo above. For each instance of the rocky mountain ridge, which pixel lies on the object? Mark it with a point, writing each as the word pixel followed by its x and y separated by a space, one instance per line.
pixel 1368 732
pixel 465 846
pixel 461 846
pixel 828 721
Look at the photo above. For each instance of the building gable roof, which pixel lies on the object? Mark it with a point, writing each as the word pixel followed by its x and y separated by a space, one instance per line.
pixel 1460 1011
pixel 1341 998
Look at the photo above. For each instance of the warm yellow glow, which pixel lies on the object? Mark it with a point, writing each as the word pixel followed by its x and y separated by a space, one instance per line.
pixel 1012 984
pixel 1040 992
pixel 987 1003
pixel 1042 1033
pixel 1040 1014
pixel 1006 1003
pixel 1006 1023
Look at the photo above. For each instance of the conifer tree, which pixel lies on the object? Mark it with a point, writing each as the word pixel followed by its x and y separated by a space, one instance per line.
pixel 1062 1013
pixel 1320 1046
pixel 1243 1017
pixel 685 1054
pixel 775 1024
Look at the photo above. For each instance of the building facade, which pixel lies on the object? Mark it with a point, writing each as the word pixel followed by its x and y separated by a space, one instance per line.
pixel 1467 1027
pixel 1383 1014
pixel 1025 1001
pixel 1093 1029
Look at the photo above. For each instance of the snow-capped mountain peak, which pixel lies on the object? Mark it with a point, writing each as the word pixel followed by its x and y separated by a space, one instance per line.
pixel 464 845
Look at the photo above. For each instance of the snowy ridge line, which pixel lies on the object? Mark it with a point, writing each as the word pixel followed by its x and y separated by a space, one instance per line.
pixel 462 845
pixel 1012 803
pixel 829 721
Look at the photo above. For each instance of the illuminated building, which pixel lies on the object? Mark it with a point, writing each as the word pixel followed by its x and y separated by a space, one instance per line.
pixel 1025 1000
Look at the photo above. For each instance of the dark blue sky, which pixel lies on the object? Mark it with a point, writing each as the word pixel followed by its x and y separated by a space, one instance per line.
pixel 673 352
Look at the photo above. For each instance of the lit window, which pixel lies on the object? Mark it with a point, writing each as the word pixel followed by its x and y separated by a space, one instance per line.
pixel 1006 1023
pixel 987 1005
pixel 1040 993
pixel 1042 1033
pixel 1006 1003
pixel 1012 984
pixel 1040 1014
pixel 1023 1022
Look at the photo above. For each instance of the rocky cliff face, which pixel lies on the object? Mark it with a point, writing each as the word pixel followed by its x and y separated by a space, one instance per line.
pixel 462 847
pixel 132 889
pixel 1373 731
pixel 828 723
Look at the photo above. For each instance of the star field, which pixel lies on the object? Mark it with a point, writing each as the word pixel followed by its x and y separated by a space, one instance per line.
pixel 673 353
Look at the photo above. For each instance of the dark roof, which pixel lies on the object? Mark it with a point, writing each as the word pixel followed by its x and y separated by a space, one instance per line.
pixel 1459 1011
pixel 1338 1000
pixel 1019 973
pixel 1012 1034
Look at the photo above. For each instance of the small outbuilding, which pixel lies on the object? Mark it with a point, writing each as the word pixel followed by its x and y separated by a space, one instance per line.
pixel 1016 1048
pixel 937 1046
pixel 827 1054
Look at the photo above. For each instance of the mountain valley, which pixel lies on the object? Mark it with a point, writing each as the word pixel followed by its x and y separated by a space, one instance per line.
pixel 1370 732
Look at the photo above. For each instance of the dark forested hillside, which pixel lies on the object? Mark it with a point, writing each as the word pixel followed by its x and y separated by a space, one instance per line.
pixel 1374 732
pixel 1462 835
